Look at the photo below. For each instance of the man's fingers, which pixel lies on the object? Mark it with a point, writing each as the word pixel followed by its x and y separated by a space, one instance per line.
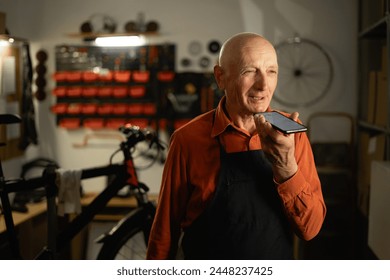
pixel 262 125
pixel 259 119
pixel 294 116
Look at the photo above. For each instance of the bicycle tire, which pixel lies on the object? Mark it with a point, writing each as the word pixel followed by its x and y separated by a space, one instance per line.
pixel 129 238
pixel 305 72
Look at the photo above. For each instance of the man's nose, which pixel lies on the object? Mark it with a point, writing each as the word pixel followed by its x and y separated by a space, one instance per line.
pixel 261 81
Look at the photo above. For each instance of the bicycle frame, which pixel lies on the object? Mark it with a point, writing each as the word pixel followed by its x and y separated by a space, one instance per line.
pixel 5 189
pixel 125 175
pixel 57 240
pixel 81 220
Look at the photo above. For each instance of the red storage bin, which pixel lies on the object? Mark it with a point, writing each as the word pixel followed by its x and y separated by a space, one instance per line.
pixel 122 76
pixel 106 76
pixel 89 76
pixel 105 109
pixel 59 76
pixel 59 91
pixel 149 109
pixel 104 91
pixel 115 123
pixel 141 76
pixel 74 108
pixel 142 123
pixel 69 123
pixel 137 91
pixel 59 108
pixel 119 91
pixel 73 76
pixel 94 123
pixel 119 109
pixel 88 109
pixel 74 91
pixel 165 76
pixel 135 109
pixel 89 91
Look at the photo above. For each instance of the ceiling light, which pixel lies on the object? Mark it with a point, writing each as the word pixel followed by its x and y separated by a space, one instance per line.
pixel 119 41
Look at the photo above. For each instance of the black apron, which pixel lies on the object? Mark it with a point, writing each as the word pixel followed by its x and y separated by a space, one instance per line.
pixel 245 218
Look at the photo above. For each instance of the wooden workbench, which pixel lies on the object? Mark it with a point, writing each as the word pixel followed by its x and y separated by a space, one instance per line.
pixel 30 228
pixel 32 225
pixel 34 210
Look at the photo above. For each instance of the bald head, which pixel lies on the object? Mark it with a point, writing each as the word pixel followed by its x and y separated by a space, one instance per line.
pixel 232 49
pixel 247 72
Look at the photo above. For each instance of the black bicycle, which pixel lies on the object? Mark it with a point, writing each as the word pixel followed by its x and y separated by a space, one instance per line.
pixel 127 239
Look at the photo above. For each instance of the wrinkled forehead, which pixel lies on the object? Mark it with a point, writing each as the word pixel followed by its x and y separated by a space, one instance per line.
pixel 247 51
pixel 238 50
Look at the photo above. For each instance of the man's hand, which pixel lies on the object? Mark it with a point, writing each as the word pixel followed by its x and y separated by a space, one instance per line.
pixel 278 147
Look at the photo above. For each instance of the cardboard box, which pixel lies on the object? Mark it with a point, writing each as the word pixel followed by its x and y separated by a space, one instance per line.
pixel 2 23
pixel 371 100
pixel 378 99
pixel 382 100
pixel 372 148
pixel 379 212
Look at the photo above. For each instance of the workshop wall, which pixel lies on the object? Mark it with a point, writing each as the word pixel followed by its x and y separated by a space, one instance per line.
pixel 47 23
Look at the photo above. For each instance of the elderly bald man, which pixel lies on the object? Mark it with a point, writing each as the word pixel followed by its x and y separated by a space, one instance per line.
pixel 233 187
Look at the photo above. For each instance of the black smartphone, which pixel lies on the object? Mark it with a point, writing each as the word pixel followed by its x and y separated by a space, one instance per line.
pixel 283 123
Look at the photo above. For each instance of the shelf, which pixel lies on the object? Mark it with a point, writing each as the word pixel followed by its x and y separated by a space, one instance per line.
pixel 96 35
pixel 372 127
pixel 376 30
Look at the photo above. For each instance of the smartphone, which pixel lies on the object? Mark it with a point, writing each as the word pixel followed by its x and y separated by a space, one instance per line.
pixel 283 123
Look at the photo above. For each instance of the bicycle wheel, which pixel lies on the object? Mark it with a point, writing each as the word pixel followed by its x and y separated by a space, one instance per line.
pixel 128 240
pixel 305 72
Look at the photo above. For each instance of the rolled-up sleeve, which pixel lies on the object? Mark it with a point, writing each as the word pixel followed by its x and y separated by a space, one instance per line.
pixel 302 195
pixel 165 230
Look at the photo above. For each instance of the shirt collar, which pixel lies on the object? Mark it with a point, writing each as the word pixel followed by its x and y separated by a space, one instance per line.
pixel 221 120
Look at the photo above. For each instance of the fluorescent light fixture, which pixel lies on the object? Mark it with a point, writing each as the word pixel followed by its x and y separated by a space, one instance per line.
pixel 119 41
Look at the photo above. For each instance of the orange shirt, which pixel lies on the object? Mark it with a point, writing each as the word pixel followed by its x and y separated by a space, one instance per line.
pixel 191 172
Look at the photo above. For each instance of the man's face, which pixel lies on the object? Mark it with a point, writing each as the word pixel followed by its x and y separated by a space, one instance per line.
pixel 250 78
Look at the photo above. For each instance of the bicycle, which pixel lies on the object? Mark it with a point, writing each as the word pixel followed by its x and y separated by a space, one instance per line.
pixel 127 239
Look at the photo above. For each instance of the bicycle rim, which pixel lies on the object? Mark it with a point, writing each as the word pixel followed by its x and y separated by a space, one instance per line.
pixel 125 245
pixel 305 72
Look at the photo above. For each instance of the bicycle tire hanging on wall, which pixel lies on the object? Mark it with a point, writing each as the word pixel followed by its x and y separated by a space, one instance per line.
pixel 305 72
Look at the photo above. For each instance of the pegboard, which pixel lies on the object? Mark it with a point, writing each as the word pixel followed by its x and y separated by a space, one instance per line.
pixel 104 87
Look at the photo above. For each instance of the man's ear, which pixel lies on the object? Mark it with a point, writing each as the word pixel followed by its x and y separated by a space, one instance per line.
pixel 219 77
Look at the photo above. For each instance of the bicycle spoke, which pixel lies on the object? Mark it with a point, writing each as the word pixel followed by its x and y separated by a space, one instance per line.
pixel 133 249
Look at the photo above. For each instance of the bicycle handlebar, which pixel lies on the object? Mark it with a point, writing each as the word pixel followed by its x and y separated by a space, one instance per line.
pixel 134 134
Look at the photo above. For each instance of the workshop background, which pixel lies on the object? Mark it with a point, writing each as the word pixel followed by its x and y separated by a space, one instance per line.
pixel 180 48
